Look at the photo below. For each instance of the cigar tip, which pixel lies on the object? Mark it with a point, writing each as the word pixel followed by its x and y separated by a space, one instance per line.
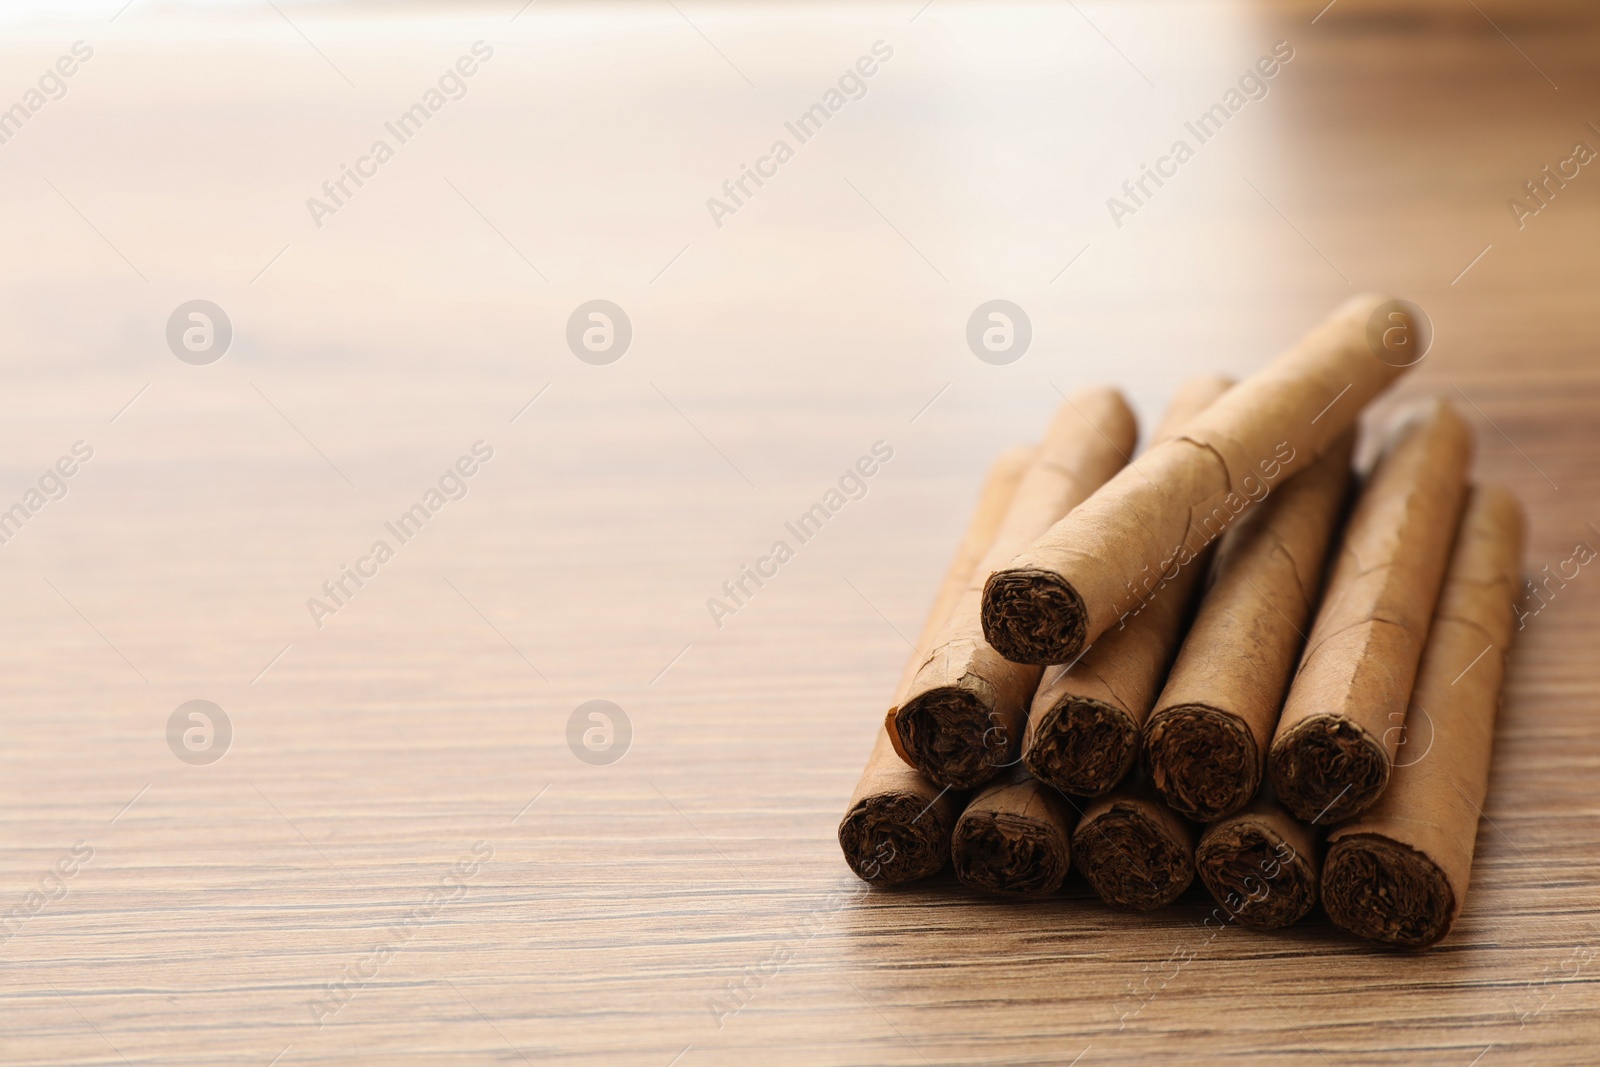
pixel 1254 872
pixel 1426 414
pixel 1501 507
pixel 1009 853
pixel 1203 761
pixel 1327 768
pixel 1082 746
pixel 1196 394
pixel 1398 332
pixel 893 838
pixel 1033 616
pixel 1132 858
pixel 1379 888
pixel 953 737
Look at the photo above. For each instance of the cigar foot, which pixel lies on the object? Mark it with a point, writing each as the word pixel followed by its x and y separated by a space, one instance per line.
pixel 1386 891
pixel 1033 616
pixel 893 838
pixel 1083 746
pixel 1328 768
pixel 1004 852
pixel 1261 879
pixel 953 737
pixel 1132 859
pixel 1203 761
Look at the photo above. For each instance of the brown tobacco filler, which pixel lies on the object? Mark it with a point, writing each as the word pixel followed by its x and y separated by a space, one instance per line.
pixel 962 718
pixel 1399 872
pixel 1014 837
pixel 1083 727
pixel 1084 574
pixel 1207 740
pixel 1335 743
pixel 1134 850
pixel 1261 865
pixel 897 827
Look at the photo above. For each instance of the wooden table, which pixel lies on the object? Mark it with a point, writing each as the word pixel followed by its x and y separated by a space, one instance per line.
pixel 400 860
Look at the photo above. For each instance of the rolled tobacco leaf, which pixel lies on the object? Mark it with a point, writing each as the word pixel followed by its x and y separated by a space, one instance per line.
pixel 962 716
pixel 1336 739
pixel 1014 837
pixel 1134 850
pixel 1206 742
pixel 1399 872
pixel 1084 723
pixel 897 826
pixel 1261 864
pixel 1085 573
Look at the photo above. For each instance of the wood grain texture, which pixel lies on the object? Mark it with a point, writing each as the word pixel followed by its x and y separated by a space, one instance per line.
pixel 630 908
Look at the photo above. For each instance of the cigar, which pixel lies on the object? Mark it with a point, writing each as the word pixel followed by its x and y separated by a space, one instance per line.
pixel 897 826
pixel 1399 873
pixel 1083 727
pixel 962 717
pixel 1206 742
pixel 1014 837
pixel 1336 740
pixel 1261 864
pixel 1083 575
pixel 999 487
pixel 1134 850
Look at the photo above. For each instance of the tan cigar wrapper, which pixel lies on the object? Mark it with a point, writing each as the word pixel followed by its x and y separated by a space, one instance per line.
pixel 1074 583
pixel 1014 837
pixel 961 718
pixel 1084 722
pixel 1399 872
pixel 897 825
pixel 1336 739
pixel 1207 740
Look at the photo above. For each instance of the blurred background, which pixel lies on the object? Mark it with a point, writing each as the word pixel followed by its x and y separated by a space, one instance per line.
pixel 380 329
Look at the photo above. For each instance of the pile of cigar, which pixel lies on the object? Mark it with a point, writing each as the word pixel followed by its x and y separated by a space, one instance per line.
pixel 1230 656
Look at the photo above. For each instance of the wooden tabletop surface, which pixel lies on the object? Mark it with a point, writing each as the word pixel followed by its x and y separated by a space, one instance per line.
pixel 400 857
